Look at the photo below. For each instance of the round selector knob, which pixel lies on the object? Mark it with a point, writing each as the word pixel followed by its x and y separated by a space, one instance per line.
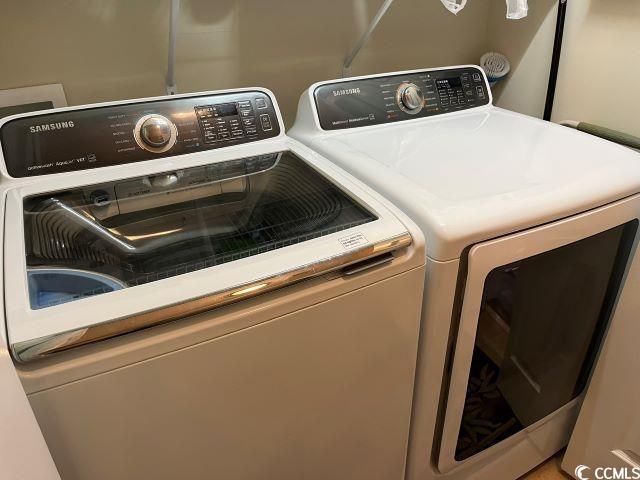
pixel 410 98
pixel 155 133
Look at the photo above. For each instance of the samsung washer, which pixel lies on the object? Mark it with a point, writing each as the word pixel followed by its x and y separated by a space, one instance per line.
pixel 189 293
pixel 530 230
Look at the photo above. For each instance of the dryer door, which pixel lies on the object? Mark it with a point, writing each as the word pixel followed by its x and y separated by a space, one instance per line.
pixel 535 308
pixel 607 433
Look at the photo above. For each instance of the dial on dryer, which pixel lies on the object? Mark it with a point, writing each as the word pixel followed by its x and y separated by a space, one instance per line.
pixel 410 98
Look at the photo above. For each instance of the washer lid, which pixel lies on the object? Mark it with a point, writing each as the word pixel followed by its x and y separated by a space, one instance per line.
pixel 472 176
pixel 92 261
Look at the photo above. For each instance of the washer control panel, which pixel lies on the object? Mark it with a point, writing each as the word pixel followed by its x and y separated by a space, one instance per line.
pixel 133 132
pixel 393 98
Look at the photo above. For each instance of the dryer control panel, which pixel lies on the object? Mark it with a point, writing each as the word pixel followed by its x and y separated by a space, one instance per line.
pixel 116 134
pixel 392 98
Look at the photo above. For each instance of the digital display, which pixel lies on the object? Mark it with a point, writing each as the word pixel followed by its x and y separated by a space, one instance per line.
pixel 225 109
pixel 453 82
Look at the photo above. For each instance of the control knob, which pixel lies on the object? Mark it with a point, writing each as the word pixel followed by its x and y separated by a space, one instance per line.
pixel 155 133
pixel 409 98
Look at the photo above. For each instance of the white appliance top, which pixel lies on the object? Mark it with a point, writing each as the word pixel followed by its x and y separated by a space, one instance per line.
pixel 164 208
pixel 468 173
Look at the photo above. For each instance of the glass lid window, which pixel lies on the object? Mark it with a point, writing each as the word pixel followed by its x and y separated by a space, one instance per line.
pixel 100 238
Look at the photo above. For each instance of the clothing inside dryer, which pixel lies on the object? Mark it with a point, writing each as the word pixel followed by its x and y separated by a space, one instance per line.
pixel 540 325
pixel 100 238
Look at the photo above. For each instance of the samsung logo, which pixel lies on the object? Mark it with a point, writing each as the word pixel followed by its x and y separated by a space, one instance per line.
pixel 47 127
pixel 346 91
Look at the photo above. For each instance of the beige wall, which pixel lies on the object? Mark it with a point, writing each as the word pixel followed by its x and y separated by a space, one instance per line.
pixel 528 43
pixel 113 49
pixel 104 50
pixel 600 67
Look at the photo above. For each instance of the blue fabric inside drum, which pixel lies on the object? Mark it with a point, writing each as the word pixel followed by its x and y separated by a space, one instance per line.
pixel 49 287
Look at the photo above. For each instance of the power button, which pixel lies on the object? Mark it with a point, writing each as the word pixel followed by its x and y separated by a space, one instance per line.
pixel 265 122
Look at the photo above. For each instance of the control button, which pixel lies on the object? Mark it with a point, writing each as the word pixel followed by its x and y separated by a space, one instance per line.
pixel 237 134
pixel 246 113
pixel 204 112
pixel 476 77
pixel 469 93
pixel 251 130
pixel 480 91
pixel 244 104
pixel 261 103
pixel 155 133
pixel 224 135
pixel 409 98
pixel 248 122
pixel 265 121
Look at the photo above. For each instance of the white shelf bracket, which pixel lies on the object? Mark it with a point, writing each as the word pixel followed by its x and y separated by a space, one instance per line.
pixel 365 36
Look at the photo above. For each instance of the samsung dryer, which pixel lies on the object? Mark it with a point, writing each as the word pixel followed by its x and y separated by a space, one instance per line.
pixel 530 230
pixel 189 293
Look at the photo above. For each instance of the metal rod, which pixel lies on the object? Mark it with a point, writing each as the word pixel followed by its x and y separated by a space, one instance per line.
pixel 555 59
pixel 173 28
pixel 365 36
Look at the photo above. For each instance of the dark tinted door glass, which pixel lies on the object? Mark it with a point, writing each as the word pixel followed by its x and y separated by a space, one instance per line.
pixel 106 237
pixel 540 325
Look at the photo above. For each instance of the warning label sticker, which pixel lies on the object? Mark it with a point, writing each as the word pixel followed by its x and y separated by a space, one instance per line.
pixel 353 240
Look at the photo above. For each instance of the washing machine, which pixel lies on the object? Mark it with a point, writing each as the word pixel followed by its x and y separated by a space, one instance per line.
pixel 530 230
pixel 189 293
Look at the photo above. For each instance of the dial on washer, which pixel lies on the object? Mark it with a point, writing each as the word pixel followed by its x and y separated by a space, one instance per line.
pixel 410 98
pixel 155 133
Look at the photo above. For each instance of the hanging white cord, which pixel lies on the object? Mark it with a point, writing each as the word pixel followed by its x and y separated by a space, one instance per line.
pixel 171 87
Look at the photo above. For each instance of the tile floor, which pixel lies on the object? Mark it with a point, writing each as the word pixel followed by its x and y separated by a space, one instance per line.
pixel 549 470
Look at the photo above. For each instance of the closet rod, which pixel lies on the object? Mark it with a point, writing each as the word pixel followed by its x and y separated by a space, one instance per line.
pixel 555 59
